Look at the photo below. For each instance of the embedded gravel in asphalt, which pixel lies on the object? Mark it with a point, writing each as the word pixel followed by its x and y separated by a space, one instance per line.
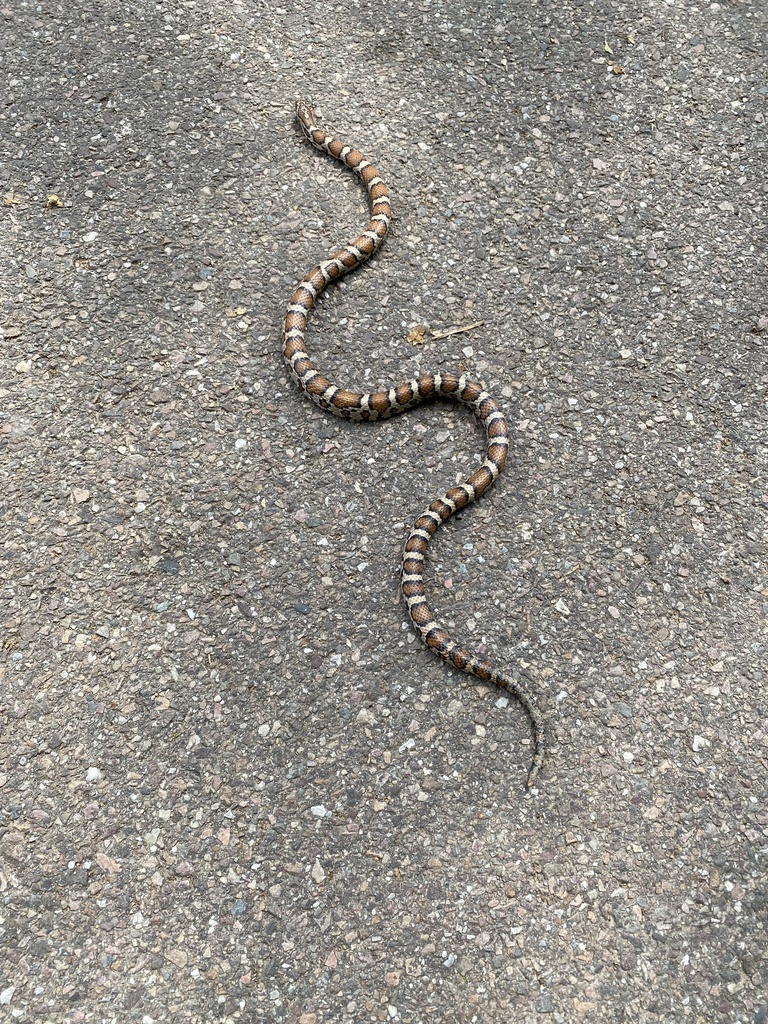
pixel 233 784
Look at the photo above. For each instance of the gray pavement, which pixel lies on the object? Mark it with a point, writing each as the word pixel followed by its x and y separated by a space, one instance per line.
pixel 233 786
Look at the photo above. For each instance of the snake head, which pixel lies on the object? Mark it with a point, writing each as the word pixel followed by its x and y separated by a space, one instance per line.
pixel 305 112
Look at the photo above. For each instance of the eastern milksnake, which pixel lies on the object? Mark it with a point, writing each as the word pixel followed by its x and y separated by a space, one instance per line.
pixel 375 405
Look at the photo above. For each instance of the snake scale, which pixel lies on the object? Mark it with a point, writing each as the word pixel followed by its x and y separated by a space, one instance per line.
pixel 376 405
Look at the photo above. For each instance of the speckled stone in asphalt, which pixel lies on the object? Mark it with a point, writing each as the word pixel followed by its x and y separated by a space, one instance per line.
pixel 233 785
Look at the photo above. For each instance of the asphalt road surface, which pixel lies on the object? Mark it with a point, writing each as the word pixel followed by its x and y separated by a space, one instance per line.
pixel 233 785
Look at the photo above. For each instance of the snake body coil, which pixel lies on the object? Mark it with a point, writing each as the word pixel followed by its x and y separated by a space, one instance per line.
pixel 375 405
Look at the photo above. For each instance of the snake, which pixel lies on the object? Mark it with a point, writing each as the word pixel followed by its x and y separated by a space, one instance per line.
pixel 370 406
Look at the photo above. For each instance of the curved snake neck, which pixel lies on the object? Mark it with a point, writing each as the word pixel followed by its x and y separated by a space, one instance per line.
pixel 375 405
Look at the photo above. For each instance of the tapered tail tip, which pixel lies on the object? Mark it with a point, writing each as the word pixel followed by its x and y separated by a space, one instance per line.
pixel 536 763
